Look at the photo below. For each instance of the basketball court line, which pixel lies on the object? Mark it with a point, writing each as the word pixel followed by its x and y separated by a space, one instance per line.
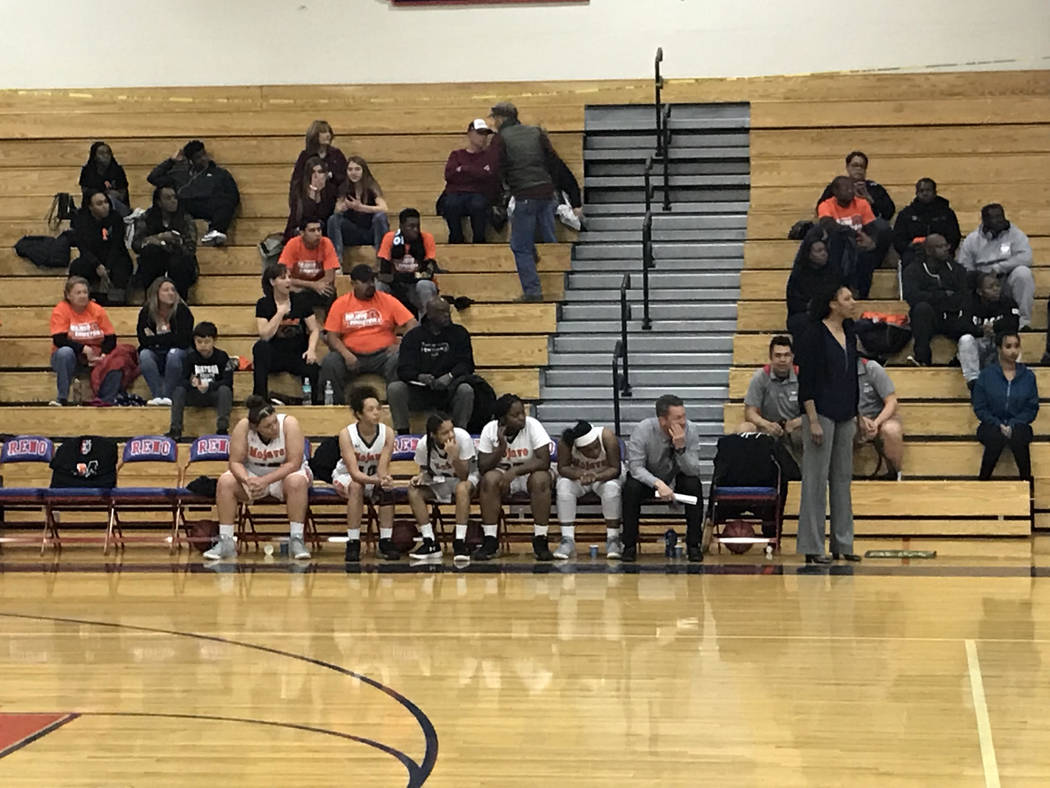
pixel 39 733
pixel 984 725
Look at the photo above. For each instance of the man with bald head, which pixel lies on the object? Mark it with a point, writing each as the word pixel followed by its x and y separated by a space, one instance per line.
pixel 999 247
pixel 435 358
pixel 936 290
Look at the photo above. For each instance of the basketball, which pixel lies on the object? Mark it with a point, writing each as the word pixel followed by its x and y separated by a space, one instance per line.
pixel 738 529
pixel 405 533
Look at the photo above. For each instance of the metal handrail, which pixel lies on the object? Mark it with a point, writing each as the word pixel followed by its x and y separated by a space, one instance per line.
pixel 658 83
pixel 666 145
pixel 617 354
pixel 647 263
pixel 647 174
pixel 625 315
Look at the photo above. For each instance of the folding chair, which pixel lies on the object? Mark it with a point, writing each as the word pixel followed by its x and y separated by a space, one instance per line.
pixel 214 450
pixel 92 499
pixel 747 479
pixel 25 450
pixel 149 455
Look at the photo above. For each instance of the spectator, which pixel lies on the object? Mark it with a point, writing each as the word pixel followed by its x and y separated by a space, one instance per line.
pixel 1006 401
pixel 993 313
pixel 406 263
pixel 165 332
pixel 311 262
pixel 434 359
pixel 104 260
pixel 207 381
pixel 848 219
pixel 361 333
pixel 166 242
pixel 999 247
pixel 771 403
pixel 878 423
pixel 288 334
pixel 928 214
pixel 360 210
pixel 524 154
pixel 871 192
pixel 205 189
pixel 514 458
pixel 82 335
pixel 103 173
pixel 589 462
pixel 936 291
pixel 314 199
pixel 472 184
pixel 319 139
pixel 810 272
pixel 569 208
pixel 663 459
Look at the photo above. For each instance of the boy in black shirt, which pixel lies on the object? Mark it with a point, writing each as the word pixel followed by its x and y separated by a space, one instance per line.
pixel 407 265
pixel 207 381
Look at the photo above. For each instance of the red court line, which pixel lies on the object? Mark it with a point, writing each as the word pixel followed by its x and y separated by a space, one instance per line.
pixel 17 729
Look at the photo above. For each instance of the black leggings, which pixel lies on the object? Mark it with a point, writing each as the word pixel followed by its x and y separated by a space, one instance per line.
pixel 994 442
pixel 155 262
pixel 635 494
pixel 266 359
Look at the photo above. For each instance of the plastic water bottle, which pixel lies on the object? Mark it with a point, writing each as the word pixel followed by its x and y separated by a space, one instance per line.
pixel 308 392
pixel 329 394
pixel 670 540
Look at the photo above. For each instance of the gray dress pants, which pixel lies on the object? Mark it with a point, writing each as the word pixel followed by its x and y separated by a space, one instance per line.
pixel 829 464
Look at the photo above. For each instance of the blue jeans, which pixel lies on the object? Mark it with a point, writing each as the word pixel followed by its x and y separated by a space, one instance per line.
pixel 459 205
pixel 64 363
pixel 153 364
pixel 530 215
pixel 342 232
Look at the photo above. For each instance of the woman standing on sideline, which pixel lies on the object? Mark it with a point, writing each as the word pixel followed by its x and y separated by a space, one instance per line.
pixel 828 391
pixel 165 332
pixel 1006 401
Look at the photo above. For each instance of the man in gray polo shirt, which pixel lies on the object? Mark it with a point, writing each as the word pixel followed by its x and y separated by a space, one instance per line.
pixel 879 424
pixel 771 403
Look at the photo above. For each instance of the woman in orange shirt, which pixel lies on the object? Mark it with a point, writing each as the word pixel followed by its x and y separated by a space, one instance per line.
pixel 82 335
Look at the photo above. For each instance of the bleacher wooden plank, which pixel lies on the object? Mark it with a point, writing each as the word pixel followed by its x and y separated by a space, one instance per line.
pixel 927 528
pixel 752 350
pixel 773 224
pixel 780 254
pixel 931 499
pixel 965 195
pixel 930 110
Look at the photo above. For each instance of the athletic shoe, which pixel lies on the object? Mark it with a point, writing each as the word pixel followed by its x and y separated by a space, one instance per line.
pixel 224 549
pixel 58 403
pixel 428 550
pixel 276 402
pixel 297 548
pixel 353 551
pixel 566 549
pixel 695 554
pixel 213 238
pixel 388 551
pixel 489 549
pixel 629 554
pixel 541 549
pixel 613 548
pixel 460 553
pixel 157 401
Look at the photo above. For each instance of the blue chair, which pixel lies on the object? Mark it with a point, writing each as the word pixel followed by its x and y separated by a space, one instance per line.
pixel 150 455
pixel 24 449
pixel 212 451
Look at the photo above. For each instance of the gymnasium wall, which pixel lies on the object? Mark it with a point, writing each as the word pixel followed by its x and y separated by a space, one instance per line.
pixel 72 43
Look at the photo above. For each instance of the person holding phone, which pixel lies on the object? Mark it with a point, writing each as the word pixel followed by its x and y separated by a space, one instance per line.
pixel 165 241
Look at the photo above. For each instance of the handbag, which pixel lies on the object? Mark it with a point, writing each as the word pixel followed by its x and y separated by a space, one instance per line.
pixel 63 209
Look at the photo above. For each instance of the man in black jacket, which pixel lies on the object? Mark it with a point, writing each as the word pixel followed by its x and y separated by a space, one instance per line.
pixel 928 214
pixel 205 189
pixel 936 290
pixel 207 381
pixel 104 260
pixel 857 171
pixel 434 356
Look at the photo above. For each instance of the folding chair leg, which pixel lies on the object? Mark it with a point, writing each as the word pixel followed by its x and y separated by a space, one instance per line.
pixel 173 547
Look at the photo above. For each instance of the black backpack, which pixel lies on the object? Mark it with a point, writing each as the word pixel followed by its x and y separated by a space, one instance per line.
pixel 484 402
pixel 745 460
pixel 45 251
pixel 881 339
pixel 87 461
pixel 325 458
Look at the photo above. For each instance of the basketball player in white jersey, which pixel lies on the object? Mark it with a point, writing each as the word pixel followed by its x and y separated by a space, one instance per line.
pixel 364 470
pixel 588 461
pixel 448 469
pixel 514 456
pixel 266 459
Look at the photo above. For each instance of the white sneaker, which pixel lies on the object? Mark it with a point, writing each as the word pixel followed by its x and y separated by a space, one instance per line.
pixel 566 549
pixel 213 238
pixel 613 548
pixel 224 549
pixel 297 549
pixel 157 401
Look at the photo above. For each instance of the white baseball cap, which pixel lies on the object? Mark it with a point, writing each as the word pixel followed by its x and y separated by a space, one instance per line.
pixel 479 125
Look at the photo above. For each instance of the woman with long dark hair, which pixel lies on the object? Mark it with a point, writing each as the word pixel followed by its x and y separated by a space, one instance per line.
pixel 313 200
pixel 319 138
pixel 811 273
pixel 288 334
pixel 360 210
pixel 103 172
pixel 166 242
pixel 828 392
pixel 1006 402
pixel 165 332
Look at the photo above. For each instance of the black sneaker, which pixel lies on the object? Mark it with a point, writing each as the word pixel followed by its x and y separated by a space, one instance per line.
pixel 542 549
pixel 353 551
pixel 428 549
pixel 629 554
pixel 460 552
pixel 489 549
pixel 695 554
pixel 388 551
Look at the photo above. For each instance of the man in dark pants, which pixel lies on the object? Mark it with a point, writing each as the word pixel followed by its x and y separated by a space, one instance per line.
pixel 663 458
pixel 205 189
pixel 937 292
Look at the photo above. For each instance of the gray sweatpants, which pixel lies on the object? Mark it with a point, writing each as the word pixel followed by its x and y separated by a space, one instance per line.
pixel 829 464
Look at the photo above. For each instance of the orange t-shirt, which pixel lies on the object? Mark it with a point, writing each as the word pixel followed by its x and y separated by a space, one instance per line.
pixel 86 328
pixel 309 264
pixel 855 215
pixel 366 326
pixel 407 264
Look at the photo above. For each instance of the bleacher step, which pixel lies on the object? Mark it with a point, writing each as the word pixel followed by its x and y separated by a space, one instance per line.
pixel 609 310
pixel 656 296
pixel 647 359
pixel 643 343
pixel 641 154
pixel 640 376
pixel 670 251
pixel 706 416
pixel 716 394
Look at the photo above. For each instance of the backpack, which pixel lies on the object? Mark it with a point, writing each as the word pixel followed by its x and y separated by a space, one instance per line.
pixel 325 458
pixel 484 402
pixel 63 209
pixel 87 461
pixel 45 251
pixel 746 460
pixel 882 335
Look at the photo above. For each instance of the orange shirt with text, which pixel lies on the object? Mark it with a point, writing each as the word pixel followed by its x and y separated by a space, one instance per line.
pixel 367 326
pixel 309 264
pixel 86 328
pixel 855 215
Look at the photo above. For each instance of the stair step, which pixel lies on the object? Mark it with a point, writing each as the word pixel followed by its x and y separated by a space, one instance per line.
pixel 642 343
pixel 658 279
pixel 673 328
pixel 642 360
pixel 682 198
pixel 706 416
pixel 610 311
pixel 677 181
pixel 679 154
pixel 640 376
pixel 647 140
pixel 676 170
pixel 648 124
pixel 658 295
pixel 634 267
pixel 664 222
pixel 691 235
pixel 682 250
pixel 680 208
pixel 639 392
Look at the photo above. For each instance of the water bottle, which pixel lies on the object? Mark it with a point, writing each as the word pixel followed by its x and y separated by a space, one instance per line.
pixel 308 392
pixel 670 540
pixel 329 394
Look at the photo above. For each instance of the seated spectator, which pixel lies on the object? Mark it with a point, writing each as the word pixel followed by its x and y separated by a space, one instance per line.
pixel 936 291
pixel 103 173
pixel 588 462
pixel 871 192
pixel 104 260
pixel 205 189
pixel 288 334
pixel 1006 401
pixel 82 335
pixel 993 313
pixel 927 214
pixel 165 332
pixel 810 272
pixel 848 219
pixel 406 263
pixel 319 138
pixel 207 381
pixel 663 458
pixel 877 421
pixel 313 201
pixel 434 359
pixel 472 184
pixel 166 242
pixel 311 262
pixel 999 247
pixel 360 210
pixel 771 403
pixel 514 458
pixel 361 333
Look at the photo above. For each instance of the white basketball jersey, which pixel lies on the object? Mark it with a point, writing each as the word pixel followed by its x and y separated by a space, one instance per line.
pixel 590 463
pixel 367 454
pixel 264 457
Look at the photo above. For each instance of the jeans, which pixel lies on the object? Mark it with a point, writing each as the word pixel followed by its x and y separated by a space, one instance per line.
pixel 64 363
pixel 221 398
pixel 154 363
pixel 975 353
pixel 404 397
pixel 925 323
pixel 334 371
pixel 414 296
pixel 457 206
pixel 529 216
pixel 343 232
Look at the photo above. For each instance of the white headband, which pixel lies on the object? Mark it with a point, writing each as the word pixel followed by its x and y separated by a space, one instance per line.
pixel 588 438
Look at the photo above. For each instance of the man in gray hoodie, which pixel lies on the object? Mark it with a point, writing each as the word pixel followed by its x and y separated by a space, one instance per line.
pixel 1000 248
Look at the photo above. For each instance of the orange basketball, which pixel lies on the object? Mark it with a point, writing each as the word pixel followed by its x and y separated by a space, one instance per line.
pixel 404 535
pixel 738 529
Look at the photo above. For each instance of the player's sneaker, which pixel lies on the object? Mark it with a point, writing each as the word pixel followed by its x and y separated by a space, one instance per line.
pixel 460 551
pixel 566 549
pixel 428 550
pixel 297 549
pixel 388 551
pixel 489 549
pixel 613 549
pixel 353 551
pixel 223 550
pixel 541 549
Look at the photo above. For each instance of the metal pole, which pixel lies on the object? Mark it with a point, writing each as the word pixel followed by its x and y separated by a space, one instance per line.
pixel 624 315
pixel 616 386
pixel 657 84
pixel 647 263
pixel 667 158
pixel 648 184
